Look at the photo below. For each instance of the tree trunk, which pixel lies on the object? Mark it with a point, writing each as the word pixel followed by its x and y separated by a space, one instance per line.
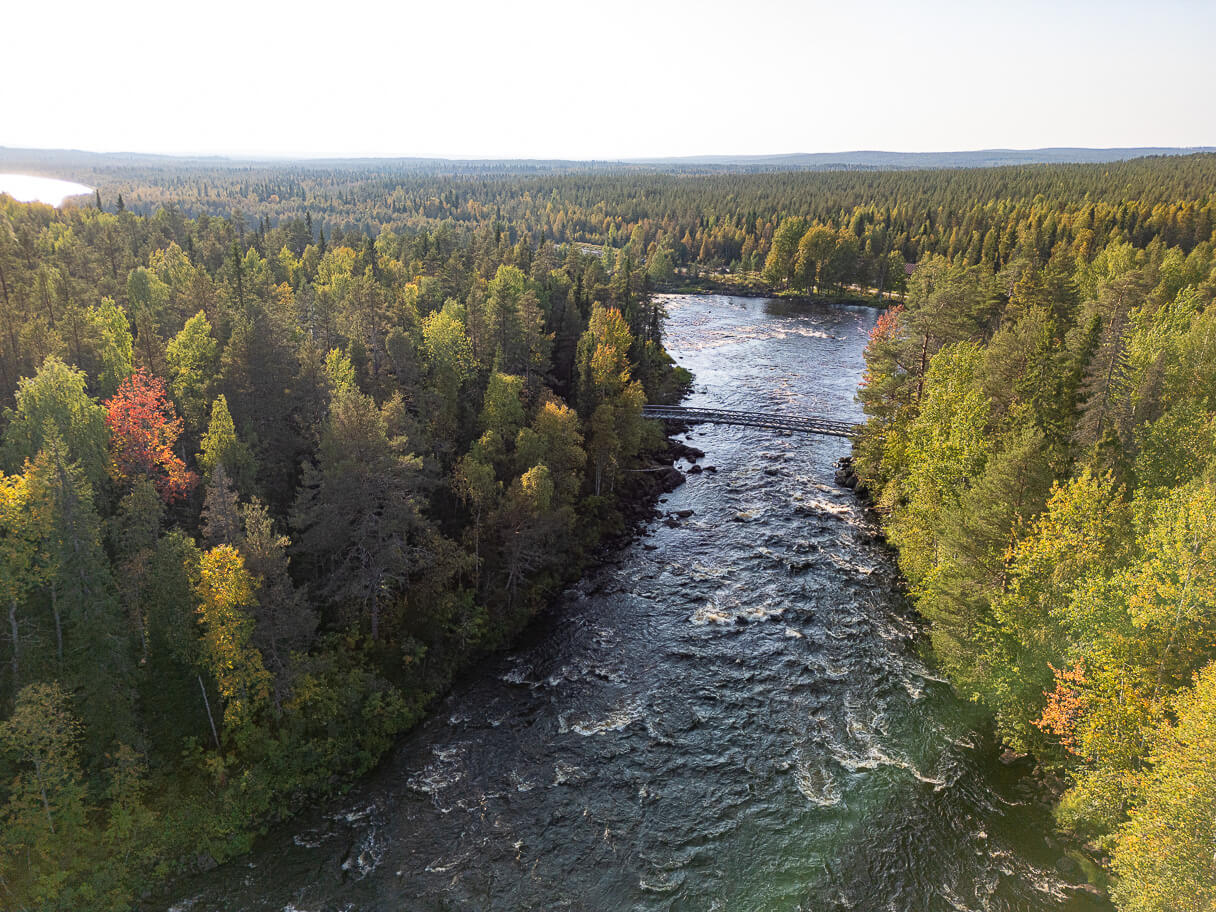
pixel 924 360
pixel 12 624
pixel 210 718
pixel 58 626
pixel 46 802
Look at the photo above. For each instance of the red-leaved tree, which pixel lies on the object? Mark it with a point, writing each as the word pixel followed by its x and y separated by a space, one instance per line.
pixel 144 428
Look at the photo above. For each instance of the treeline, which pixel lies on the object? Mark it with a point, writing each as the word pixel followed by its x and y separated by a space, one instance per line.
pixel 717 221
pixel 261 495
pixel 1042 444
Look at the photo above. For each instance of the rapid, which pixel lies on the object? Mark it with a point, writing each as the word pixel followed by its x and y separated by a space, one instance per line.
pixel 738 712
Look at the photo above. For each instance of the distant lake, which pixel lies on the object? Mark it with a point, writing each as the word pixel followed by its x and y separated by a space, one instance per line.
pixel 49 190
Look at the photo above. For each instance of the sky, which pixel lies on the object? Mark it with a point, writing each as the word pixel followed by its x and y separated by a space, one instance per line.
pixel 604 80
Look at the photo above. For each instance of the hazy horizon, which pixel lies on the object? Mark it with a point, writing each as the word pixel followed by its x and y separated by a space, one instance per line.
pixel 472 80
pixel 704 156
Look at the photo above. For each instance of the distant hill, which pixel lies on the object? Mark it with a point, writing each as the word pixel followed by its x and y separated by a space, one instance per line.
pixel 93 166
pixel 13 159
pixel 980 158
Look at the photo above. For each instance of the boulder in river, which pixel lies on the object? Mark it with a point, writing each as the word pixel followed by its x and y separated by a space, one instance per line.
pixel 671 478
pixel 845 476
pixel 681 450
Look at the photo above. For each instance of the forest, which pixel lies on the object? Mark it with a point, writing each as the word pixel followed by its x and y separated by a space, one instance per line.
pixel 285 447
pixel 261 498
pixel 1041 445
pixel 720 220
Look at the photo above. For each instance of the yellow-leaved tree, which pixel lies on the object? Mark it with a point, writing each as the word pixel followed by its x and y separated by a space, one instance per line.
pixel 225 612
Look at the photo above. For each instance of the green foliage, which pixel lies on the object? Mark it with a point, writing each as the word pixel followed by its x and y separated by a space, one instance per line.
pixel 44 819
pixel 55 401
pixel 359 511
pixel 108 332
pixel 1079 615
pixel 222 447
pixel 783 255
pixel 502 411
pixel 396 403
pixel 1163 854
pixel 193 358
pixel 1058 328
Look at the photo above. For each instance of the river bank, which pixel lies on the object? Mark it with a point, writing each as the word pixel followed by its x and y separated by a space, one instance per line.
pixel 1078 860
pixel 735 711
pixel 709 285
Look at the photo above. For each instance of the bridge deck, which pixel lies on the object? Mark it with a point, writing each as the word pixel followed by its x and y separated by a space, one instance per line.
pixel 804 424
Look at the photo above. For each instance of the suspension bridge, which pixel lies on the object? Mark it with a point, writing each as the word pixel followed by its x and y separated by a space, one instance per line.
pixel 802 424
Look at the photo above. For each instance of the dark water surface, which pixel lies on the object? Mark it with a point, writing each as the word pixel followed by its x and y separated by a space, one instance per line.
pixel 735 715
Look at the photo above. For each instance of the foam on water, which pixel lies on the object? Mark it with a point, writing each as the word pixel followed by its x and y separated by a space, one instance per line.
pixel 738 717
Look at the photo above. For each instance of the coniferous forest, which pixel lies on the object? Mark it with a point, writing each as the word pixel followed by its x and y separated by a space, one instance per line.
pixel 263 495
pixel 1042 448
pixel 283 448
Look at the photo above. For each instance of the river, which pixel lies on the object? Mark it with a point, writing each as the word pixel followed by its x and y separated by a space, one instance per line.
pixel 735 714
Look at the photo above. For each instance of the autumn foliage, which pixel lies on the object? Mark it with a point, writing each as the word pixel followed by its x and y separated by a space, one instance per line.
pixel 887 324
pixel 1066 704
pixel 144 428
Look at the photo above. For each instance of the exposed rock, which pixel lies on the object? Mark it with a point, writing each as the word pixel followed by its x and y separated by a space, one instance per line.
pixel 1068 867
pixel 1011 757
pixel 671 478
pixel 1088 889
pixel 845 476
pixel 683 514
pixel 681 450
pixel 695 470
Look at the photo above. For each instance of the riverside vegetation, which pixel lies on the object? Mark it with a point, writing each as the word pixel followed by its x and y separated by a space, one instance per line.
pixel 271 478
pixel 1042 445
pixel 260 501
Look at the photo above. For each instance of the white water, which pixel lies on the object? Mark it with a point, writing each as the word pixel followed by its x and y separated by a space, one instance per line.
pixel 727 715
pixel 27 189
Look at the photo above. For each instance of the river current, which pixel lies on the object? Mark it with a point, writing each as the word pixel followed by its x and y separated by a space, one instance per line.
pixel 737 713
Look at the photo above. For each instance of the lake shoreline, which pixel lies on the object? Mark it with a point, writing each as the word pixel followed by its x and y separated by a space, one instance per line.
pixel 35 188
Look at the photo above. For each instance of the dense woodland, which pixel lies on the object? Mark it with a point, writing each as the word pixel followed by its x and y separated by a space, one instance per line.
pixel 1042 445
pixel 261 496
pixel 714 221
pixel 284 447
